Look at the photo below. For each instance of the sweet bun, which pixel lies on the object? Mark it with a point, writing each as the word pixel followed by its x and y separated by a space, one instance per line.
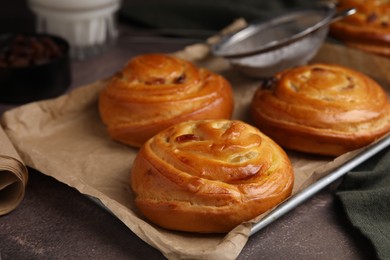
pixel 208 176
pixel 321 108
pixel 155 91
pixel 368 29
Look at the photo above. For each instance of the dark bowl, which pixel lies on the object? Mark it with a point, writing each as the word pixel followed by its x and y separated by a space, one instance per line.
pixel 33 67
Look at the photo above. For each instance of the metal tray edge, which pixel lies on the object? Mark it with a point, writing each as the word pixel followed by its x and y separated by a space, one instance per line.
pixel 309 191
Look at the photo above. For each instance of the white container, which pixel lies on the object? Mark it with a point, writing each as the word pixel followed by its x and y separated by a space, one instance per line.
pixel 88 25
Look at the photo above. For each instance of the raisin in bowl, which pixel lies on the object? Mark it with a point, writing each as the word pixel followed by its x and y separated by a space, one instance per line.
pixel 33 67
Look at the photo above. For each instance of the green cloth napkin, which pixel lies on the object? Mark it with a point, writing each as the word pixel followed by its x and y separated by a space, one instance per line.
pixel 365 196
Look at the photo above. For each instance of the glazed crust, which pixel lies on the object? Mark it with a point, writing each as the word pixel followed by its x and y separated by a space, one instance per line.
pixel 368 29
pixel 155 91
pixel 322 109
pixel 209 176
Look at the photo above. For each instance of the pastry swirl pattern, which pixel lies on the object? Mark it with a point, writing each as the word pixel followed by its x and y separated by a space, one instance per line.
pixel 209 176
pixel 368 29
pixel 322 108
pixel 155 91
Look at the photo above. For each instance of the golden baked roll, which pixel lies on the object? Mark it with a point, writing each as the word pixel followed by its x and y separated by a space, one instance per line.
pixel 155 91
pixel 368 29
pixel 321 108
pixel 208 176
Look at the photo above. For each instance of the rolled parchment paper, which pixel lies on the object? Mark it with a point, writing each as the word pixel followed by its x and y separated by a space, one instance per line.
pixel 13 176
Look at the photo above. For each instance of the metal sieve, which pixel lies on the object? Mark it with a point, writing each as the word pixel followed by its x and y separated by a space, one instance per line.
pixel 265 47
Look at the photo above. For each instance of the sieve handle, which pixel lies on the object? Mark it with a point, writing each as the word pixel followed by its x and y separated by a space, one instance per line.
pixel 342 13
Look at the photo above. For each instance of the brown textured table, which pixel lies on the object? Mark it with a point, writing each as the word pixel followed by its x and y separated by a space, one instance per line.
pixel 55 221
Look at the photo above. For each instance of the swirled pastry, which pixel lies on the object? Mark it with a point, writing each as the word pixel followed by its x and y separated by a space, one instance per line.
pixel 322 108
pixel 368 29
pixel 155 91
pixel 209 176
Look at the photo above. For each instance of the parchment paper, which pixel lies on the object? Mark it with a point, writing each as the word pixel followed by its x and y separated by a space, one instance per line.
pixel 13 176
pixel 65 138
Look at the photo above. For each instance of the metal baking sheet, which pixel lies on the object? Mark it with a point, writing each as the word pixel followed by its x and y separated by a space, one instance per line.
pixel 311 190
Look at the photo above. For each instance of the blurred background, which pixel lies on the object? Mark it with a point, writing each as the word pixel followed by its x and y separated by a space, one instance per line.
pixel 168 18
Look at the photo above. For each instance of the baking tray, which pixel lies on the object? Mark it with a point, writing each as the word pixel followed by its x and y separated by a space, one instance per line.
pixel 312 189
pixel 40 131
